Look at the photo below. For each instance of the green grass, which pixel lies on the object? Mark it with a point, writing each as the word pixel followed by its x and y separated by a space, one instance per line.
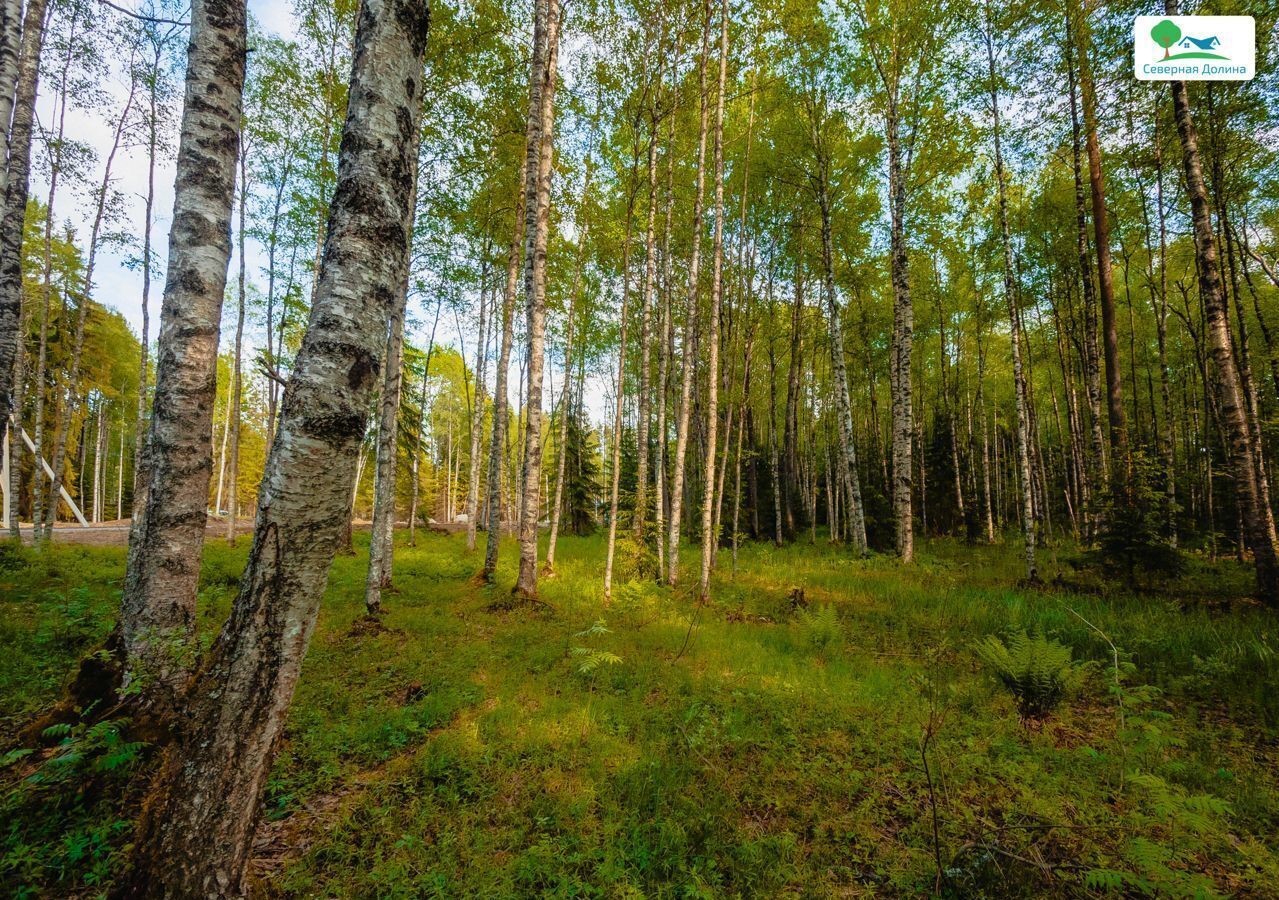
pixel 465 752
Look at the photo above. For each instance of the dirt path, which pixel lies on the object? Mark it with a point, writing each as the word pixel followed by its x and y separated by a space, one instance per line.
pixel 116 533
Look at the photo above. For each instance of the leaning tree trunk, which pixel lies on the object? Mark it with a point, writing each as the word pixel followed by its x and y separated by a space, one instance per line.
pixel 690 329
pixel 17 171
pixel 1230 399
pixel 54 152
pixel 158 608
pixel 211 778
pixel 537 232
pixel 382 531
pixel 710 534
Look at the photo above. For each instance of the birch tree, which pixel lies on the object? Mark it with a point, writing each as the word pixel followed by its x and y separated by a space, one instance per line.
pixel 157 619
pixel 212 776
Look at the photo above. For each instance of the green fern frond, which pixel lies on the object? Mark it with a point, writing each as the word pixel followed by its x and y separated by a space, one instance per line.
pixel 1036 670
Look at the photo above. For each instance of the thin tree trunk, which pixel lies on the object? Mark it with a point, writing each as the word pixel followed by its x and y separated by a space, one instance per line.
pixel 615 452
pixel 566 394
pixel 54 145
pixel 212 776
pixel 1101 236
pixel 500 390
pixel 477 416
pixel 844 408
pixel 903 339
pixel 1091 361
pixel 13 328
pixel 237 382
pixel 158 608
pixel 690 322
pixel 382 530
pixel 710 536
pixel 141 477
pixel 415 469
pixel 537 230
pixel 1014 321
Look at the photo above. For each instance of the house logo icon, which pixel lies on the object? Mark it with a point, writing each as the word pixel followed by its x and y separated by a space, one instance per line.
pixel 1168 35
pixel 1194 48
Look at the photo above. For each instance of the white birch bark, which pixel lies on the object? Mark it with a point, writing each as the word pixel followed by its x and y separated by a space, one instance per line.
pixel 157 617
pixel 537 230
pixel 17 171
pixel 211 777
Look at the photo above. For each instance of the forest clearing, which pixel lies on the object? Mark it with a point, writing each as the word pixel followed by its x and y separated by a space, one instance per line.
pixel 644 448
pixel 456 749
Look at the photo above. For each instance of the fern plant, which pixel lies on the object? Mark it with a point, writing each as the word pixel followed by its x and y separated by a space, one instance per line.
pixel 1036 669
pixel 590 659
pixel 821 627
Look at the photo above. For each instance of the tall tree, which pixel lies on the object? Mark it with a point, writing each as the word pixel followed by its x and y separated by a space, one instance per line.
pixel 1231 407
pixel 212 776
pixel 536 234
pixel 710 535
pixel 687 344
pixel 157 618
pixel 17 173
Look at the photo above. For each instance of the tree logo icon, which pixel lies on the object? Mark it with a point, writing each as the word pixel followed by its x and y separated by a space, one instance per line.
pixel 1165 34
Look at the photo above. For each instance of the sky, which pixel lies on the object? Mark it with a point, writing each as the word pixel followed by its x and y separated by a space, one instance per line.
pixel 115 284
pixel 119 286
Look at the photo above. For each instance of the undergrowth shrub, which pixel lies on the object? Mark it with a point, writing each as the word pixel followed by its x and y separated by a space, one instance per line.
pixel 820 628
pixel 1036 669
pixel 67 814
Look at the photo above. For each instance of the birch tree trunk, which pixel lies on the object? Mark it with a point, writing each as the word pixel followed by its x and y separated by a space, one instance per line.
pixel 140 455
pixel 382 531
pixel 212 775
pixel 844 406
pixel 17 171
pixel 500 390
pixel 10 53
pixel 615 442
pixel 237 380
pixel 158 609
pixel 903 339
pixel 1230 399
pixel 54 148
pixel 477 416
pixel 537 232
pixel 710 534
pixel 690 324
pixel 566 394
pixel 639 519
pixel 1014 323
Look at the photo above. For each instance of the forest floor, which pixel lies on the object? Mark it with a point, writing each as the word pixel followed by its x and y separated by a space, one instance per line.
pixel 652 748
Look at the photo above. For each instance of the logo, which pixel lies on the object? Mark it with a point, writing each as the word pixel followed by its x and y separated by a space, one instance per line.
pixel 1194 48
